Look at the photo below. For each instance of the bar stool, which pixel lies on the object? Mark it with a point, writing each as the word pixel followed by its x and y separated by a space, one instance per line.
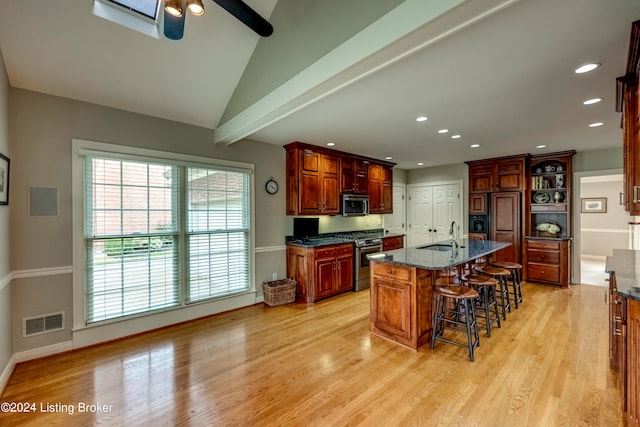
pixel 516 277
pixel 460 318
pixel 501 275
pixel 448 277
pixel 486 287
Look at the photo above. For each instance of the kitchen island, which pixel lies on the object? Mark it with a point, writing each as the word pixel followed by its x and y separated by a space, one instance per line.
pixel 402 282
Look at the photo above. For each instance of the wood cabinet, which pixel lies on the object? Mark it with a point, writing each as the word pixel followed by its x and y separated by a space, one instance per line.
pixel 320 272
pixel 380 189
pixel 393 242
pixel 499 174
pixel 548 261
pixel 627 103
pixel 477 236
pixel 505 225
pixel 316 177
pixel 624 349
pixel 478 204
pixel 355 175
pixel 401 303
pixel 313 179
pixel 633 363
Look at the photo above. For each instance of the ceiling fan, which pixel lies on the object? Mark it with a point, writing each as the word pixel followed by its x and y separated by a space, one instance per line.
pixel 174 16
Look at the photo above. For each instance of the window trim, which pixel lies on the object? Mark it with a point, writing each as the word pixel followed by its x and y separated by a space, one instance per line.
pixel 115 328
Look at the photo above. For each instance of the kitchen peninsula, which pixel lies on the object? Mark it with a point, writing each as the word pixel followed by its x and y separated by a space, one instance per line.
pixel 401 286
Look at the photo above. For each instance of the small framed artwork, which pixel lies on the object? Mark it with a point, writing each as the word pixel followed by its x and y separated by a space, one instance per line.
pixel 4 179
pixel 594 205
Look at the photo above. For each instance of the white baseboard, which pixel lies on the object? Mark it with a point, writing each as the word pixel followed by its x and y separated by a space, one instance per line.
pixel 6 374
pixel 39 352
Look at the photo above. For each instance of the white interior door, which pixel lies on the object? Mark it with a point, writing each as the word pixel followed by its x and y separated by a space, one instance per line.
pixel 420 215
pixel 430 211
pixel 395 223
pixel 446 204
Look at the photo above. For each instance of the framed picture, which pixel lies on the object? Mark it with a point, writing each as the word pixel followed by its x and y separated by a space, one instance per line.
pixel 594 205
pixel 4 179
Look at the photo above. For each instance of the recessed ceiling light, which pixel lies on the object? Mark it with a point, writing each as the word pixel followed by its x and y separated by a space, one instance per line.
pixel 475 145
pixel 388 158
pixel 541 146
pixel 422 119
pixel 456 136
pixel 420 164
pixel 592 101
pixel 331 144
pixel 595 125
pixel 587 67
pixel 443 131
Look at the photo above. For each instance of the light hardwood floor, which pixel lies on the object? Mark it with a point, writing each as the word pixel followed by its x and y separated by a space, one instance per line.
pixel 295 365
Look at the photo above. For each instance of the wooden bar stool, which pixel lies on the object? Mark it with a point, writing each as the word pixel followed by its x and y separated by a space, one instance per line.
pixel 501 275
pixel 460 318
pixel 486 287
pixel 516 277
pixel 449 276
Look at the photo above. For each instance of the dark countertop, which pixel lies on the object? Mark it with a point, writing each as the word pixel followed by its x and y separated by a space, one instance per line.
pixel 437 260
pixel 329 239
pixel 626 264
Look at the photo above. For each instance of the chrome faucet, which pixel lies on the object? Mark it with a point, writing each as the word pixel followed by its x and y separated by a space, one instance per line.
pixel 453 232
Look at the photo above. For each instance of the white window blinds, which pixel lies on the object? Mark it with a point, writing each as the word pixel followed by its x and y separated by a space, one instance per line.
pixel 145 252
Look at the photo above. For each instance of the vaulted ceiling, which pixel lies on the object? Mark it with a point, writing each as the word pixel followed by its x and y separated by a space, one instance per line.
pixel 497 72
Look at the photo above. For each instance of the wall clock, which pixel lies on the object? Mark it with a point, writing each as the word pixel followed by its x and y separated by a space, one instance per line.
pixel 271 186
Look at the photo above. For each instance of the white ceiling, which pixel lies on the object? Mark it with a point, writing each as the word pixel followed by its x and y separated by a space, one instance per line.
pixel 505 82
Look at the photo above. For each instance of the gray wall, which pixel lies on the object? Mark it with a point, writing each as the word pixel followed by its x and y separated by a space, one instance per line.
pixel 600 233
pixel 595 160
pixel 42 129
pixel 6 345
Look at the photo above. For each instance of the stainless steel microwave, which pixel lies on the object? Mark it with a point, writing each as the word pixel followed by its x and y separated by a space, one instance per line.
pixel 354 205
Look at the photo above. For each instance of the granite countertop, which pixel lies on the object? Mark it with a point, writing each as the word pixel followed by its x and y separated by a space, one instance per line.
pixel 626 264
pixel 439 260
pixel 333 239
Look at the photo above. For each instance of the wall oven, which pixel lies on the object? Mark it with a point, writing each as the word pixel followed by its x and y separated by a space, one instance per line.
pixel 364 247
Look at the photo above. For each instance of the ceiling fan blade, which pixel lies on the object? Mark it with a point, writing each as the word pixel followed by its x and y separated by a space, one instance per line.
pixel 247 16
pixel 173 26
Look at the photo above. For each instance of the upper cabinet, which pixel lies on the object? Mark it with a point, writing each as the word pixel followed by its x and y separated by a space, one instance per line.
pixel 380 189
pixel 495 175
pixel 316 177
pixel 355 175
pixel 627 104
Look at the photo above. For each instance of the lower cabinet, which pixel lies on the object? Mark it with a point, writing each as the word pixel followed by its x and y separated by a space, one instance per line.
pixel 320 272
pixel 401 304
pixel 548 261
pixel 624 349
pixel 393 242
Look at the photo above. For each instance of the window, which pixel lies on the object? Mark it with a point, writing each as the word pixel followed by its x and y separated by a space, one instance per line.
pixel 162 234
pixel 147 8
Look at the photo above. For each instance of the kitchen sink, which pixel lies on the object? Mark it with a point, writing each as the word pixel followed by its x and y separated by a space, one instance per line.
pixel 441 247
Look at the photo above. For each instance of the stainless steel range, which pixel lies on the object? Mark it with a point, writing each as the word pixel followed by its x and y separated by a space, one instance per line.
pixel 365 242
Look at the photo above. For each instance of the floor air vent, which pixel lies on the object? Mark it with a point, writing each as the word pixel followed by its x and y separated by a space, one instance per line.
pixel 42 324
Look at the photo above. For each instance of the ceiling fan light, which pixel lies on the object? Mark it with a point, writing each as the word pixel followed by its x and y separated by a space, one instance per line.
pixel 173 7
pixel 195 7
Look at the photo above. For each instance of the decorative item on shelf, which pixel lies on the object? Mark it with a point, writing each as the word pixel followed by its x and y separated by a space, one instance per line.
pixel 541 197
pixel 559 168
pixel 549 168
pixel 559 180
pixel 538 170
pixel 557 197
pixel 548 229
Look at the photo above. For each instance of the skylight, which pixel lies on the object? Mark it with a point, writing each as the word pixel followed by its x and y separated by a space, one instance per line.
pixel 138 15
pixel 145 7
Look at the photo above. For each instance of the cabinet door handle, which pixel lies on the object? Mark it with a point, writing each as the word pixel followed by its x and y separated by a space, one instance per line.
pixel 635 194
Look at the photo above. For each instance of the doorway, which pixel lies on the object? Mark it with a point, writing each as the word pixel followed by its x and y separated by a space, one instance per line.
pixel 430 210
pixel 598 232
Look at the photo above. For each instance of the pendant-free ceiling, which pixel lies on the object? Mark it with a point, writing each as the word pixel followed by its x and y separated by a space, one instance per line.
pixel 174 16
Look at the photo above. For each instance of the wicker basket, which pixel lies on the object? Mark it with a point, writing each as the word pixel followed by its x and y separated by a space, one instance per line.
pixel 279 292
